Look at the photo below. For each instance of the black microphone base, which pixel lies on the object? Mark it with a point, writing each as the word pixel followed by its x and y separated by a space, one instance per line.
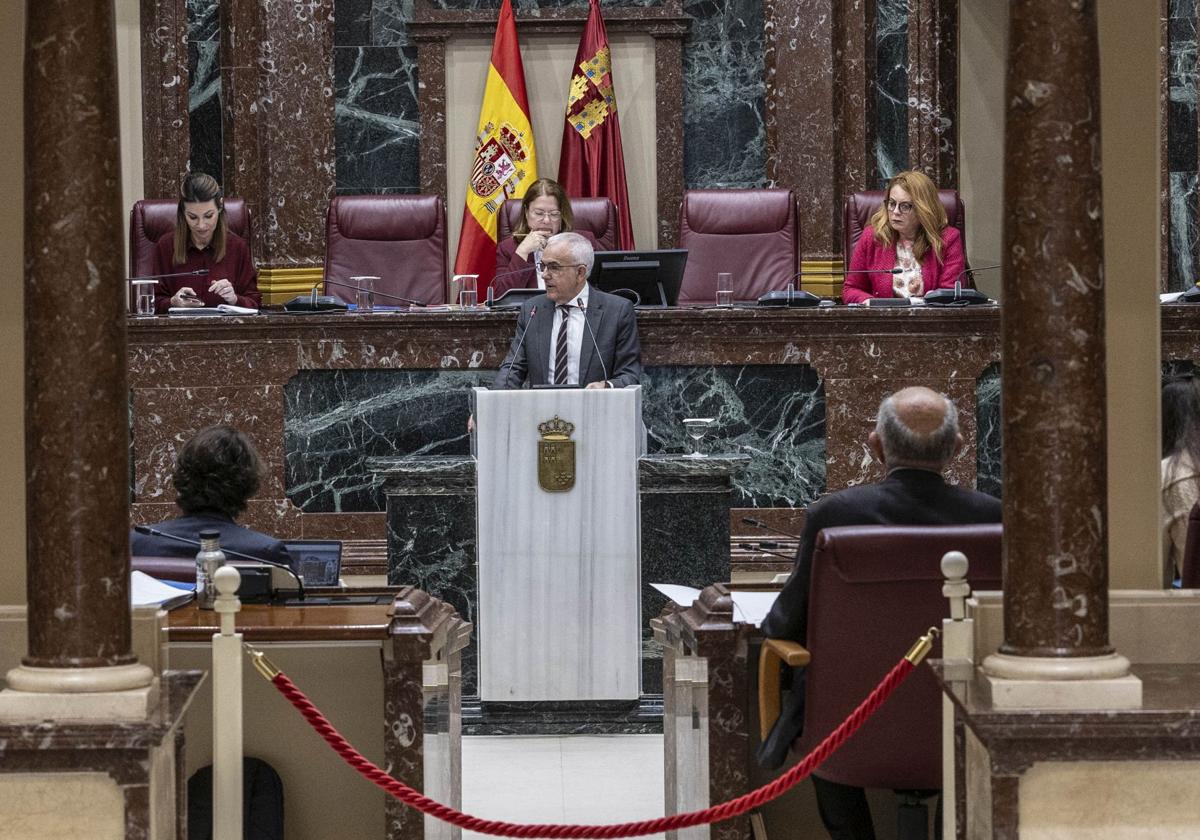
pixel 959 297
pixel 790 299
pixel 324 303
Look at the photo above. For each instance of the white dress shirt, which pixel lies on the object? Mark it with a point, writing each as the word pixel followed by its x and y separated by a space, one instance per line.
pixel 575 338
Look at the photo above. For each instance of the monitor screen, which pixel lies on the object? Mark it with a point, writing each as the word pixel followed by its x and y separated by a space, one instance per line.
pixel 319 562
pixel 653 276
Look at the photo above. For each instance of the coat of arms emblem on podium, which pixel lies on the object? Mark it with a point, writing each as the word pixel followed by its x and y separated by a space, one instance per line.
pixel 556 455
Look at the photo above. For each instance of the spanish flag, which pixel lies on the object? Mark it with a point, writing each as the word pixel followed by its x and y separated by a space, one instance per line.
pixel 504 163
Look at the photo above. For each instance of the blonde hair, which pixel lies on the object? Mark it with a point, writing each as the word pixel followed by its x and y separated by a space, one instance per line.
pixel 199 188
pixel 539 188
pixel 931 215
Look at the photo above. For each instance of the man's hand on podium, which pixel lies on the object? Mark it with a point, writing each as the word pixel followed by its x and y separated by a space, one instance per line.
pixel 604 384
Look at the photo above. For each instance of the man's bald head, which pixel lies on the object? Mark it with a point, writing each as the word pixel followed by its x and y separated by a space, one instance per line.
pixel 916 427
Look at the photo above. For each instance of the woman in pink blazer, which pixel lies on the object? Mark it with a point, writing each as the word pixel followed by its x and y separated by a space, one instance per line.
pixel 909 231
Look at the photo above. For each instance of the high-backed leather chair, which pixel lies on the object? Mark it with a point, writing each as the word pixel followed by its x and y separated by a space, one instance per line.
pixel 150 218
pixel 751 234
pixel 875 590
pixel 400 239
pixel 1191 551
pixel 598 216
pixel 165 568
pixel 860 205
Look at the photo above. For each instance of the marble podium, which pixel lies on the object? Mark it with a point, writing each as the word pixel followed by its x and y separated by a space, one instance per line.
pixel 557 508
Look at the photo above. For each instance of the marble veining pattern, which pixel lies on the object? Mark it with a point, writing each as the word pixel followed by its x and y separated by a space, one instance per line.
pixel 336 419
pixel 1182 124
pixel 774 414
pixel 987 432
pixel 891 45
pixel 204 86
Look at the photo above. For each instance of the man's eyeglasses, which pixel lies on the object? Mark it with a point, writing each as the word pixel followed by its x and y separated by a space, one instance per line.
pixel 545 215
pixel 555 268
pixel 905 207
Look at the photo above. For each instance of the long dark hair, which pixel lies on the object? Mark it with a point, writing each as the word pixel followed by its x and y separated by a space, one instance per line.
pixel 198 187
pixel 539 188
pixel 1181 418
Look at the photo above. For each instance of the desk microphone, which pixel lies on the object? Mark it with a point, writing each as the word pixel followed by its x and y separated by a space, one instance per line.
pixel 599 355
pixel 409 301
pixel 758 523
pixel 199 272
pixel 959 296
pixel 793 295
pixel 761 547
pixel 146 529
pixel 512 360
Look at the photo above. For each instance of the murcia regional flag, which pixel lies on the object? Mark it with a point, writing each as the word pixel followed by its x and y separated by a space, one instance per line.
pixel 504 163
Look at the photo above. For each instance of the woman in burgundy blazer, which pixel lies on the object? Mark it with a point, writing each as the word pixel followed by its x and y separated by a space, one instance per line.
pixel 545 211
pixel 909 231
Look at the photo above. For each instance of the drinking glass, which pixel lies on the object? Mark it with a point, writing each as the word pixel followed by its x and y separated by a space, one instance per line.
pixel 468 290
pixel 724 289
pixel 364 294
pixel 143 297
pixel 696 427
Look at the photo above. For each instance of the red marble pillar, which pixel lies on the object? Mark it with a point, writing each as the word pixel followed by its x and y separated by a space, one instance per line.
pixel 933 90
pixel 165 140
pixel 76 398
pixel 1055 509
pixel 278 106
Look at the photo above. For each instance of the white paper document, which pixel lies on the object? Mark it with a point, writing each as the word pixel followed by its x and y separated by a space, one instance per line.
pixel 748 607
pixel 147 591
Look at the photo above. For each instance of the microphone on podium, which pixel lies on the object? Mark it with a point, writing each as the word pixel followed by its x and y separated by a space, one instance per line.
pixel 762 548
pixel 385 295
pixel 520 341
pixel 199 272
pixel 958 296
pixel 518 293
pixel 794 296
pixel 758 523
pixel 599 355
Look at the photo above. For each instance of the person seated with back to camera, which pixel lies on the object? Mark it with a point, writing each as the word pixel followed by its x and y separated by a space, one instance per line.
pixel 909 231
pixel 216 473
pixel 915 438
pixel 202 239
pixel 601 348
pixel 545 211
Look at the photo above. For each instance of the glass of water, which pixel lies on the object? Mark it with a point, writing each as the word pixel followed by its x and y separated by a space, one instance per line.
pixel 468 290
pixel 696 428
pixel 364 293
pixel 724 289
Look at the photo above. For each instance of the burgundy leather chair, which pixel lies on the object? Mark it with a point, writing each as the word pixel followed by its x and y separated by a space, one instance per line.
pixel 751 234
pixel 152 217
pixel 598 216
pixel 1190 573
pixel 179 569
pixel 399 238
pixel 875 590
pixel 860 205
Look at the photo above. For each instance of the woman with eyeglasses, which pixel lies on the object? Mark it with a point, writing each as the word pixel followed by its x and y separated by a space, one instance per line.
pixel 1180 468
pixel 909 231
pixel 545 211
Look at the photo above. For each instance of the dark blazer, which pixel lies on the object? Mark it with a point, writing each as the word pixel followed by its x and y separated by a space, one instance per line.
pixel 610 320
pixel 518 271
pixel 904 497
pixel 233 536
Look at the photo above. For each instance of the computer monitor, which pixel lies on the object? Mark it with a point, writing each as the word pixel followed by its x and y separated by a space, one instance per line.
pixel 654 276
pixel 319 562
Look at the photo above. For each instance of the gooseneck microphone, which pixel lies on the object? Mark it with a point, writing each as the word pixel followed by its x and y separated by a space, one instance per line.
pixel 512 360
pixel 762 549
pixel 794 295
pixel 599 355
pixel 969 271
pixel 146 529
pixel 409 301
pixel 758 523
pixel 199 272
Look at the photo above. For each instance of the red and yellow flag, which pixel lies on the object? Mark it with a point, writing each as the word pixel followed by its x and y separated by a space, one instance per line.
pixel 592 162
pixel 504 163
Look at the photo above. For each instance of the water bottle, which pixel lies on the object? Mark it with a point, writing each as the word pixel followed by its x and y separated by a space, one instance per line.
pixel 208 560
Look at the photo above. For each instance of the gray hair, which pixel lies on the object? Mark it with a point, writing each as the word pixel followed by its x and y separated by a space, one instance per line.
pixel 578 247
pixel 901 445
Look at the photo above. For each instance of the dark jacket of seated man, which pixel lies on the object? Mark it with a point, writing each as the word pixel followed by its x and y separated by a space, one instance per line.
pixel 602 348
pixel 216 472
pixel 915 438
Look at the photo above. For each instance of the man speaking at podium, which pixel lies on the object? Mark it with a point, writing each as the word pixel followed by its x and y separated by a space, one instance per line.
pixel 574 334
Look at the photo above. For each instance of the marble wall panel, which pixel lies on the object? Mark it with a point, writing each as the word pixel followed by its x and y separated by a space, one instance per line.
pixel 204 86
pixel 987 431
pixel 891 102
pixel 1183 267
pixel 336 419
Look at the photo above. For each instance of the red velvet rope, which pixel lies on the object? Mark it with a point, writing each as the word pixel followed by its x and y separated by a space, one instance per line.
pixel 716 813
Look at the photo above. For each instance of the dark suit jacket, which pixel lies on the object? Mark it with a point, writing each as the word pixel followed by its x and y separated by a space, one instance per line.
pixel 233 536
pixel 904 497
pixel 610 321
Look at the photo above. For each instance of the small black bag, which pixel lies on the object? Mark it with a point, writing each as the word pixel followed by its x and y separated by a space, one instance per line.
pixel 262 802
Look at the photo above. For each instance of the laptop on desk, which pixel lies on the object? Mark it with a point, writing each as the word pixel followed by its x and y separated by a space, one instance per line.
pixel 319 562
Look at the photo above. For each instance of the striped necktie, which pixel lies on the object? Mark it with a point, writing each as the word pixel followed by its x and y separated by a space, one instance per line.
pixel 560 350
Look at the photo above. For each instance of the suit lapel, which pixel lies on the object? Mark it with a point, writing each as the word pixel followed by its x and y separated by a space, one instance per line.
pixel 593 315
pixel 539 350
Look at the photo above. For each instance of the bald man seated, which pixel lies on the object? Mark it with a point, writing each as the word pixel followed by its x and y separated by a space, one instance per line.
pixel 916 436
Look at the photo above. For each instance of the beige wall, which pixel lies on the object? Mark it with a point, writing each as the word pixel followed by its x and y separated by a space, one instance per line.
pixel 548 61
pixel 12 378
pixel 129 92
pixel 1129 125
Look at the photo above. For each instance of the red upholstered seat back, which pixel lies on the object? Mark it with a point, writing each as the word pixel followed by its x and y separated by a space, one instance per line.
pixel 860 205
pixel 749 233
pixel 875 589
pixel 152 217
pixel 1191 551
pixel 165 568
pixel 598 216
pixel 399 238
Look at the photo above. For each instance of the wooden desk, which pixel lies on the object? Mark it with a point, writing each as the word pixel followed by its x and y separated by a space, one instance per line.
pixel 335 654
